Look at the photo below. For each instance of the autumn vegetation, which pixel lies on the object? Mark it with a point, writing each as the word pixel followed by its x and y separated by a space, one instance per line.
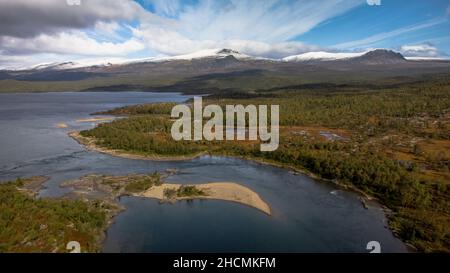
pixel 393 144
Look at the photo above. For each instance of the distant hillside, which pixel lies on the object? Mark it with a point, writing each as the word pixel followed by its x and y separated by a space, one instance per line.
pixel 217 70
pixel 380 57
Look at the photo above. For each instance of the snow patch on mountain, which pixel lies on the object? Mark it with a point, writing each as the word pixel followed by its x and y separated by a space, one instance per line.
pixel 206 53
pixel 322 56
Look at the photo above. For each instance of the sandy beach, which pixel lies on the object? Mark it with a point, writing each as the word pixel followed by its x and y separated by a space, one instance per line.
pixel 112 187
pixel 227 191
pixel 61 125
pixel 94 119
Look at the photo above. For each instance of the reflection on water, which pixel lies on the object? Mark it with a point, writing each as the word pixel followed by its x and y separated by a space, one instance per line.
pixel 308 216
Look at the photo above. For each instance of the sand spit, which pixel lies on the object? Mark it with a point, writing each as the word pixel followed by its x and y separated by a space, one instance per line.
pixel 89 144
pixel 94 119
pixel 227 191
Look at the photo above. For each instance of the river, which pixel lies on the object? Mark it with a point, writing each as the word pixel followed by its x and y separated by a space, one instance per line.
pixel 307 215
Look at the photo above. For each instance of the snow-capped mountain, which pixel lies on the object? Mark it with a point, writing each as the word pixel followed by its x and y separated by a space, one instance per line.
pixel 217 53
pixel 340 56
pixel 223 57
pixel 65 65
pixel 69 65
pixel 202 69
pixel 373 57
pixel 206 53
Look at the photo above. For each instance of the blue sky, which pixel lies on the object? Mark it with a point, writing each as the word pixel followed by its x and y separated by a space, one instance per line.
pixel 367 21
pixel 412 22
pixel 39 31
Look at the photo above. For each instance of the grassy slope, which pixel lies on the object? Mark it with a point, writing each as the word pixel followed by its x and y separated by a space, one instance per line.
pixel 204 81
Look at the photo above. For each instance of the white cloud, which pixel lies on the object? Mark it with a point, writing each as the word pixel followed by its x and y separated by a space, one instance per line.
pixel 107 28
pixel 25 61
pixel 211 24
pixel 45 31
pixel 71 43
pixel 28 18
pixel 170 42
pixel 420 50
pixel 266 31
pixel 374 39
pixel 167 7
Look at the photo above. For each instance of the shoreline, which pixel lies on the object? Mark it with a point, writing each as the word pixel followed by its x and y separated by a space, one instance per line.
pixel 108 189
pixel 89 144
pixel 94 119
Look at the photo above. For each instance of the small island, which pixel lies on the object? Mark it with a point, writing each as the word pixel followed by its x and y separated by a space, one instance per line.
pixel 86 211
pixel 227 191
pixel 109 188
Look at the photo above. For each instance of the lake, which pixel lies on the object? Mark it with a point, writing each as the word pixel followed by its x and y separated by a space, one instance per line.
pixel 307 215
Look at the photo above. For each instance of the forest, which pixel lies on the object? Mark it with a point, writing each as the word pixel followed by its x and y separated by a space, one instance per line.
pixel 29 224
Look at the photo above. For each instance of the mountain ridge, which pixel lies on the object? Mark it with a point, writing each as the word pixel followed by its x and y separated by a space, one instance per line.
pixel 224 69
pixel 373 57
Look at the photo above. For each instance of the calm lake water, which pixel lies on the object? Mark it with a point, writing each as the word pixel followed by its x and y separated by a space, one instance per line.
pixel 308 215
